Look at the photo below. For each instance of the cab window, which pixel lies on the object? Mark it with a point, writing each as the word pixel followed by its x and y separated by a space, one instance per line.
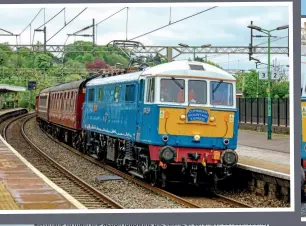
pixel 150 90
pixel 221 93
pixel 197 91
pixel 172 90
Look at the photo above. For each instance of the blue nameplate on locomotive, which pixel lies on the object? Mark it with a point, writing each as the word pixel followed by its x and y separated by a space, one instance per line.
pixel 197 115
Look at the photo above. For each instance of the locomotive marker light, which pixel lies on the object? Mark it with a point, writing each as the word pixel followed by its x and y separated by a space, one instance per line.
pixel 212 118
pixel 268 33
pixel 183 117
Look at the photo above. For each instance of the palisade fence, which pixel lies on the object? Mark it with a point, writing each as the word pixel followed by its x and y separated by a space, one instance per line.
pixel 255 111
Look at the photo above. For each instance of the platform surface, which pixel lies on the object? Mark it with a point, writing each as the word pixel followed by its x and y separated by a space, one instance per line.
pixel 3 111
pixel 255 150
pixel 23 187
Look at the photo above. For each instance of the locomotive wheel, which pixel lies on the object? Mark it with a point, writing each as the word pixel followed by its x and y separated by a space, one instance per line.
pixel 163 179
pixel 101 156
pixel 154 178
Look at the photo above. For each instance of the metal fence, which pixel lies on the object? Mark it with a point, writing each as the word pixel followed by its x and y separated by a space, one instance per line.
pixel 255 111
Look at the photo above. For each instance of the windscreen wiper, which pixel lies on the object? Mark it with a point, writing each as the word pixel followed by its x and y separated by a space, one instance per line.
pixel 214 90
pixel 177 83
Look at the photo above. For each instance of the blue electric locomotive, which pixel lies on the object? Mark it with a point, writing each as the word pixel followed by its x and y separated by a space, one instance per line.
pixel 175 122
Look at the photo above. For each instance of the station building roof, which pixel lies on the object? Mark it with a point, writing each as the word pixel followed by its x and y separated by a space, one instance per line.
pixel 5 88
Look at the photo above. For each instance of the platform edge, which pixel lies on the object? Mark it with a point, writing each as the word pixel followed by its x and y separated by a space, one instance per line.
pixel 72 200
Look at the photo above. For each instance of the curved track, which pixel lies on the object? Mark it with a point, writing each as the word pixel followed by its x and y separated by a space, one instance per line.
pixel 189 202
pixel 76 187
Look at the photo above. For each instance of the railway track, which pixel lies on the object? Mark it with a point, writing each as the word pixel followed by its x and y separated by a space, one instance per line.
pixel 76 187
pixel 189 202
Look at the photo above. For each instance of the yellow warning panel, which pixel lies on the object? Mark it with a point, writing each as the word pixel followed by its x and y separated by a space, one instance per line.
pixel 6 200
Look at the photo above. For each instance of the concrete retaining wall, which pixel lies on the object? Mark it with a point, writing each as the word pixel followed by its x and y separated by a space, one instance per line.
pixel 263 128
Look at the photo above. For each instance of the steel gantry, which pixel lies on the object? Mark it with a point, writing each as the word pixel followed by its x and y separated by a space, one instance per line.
pixel 169 52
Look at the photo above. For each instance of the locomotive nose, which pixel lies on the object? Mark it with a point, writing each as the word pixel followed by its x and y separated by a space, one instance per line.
pixel 229 158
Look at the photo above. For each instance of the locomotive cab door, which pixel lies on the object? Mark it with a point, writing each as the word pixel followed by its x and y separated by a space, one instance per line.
pixel 140 99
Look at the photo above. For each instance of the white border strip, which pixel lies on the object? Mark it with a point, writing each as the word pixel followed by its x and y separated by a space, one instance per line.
pixel 292 133
pixel 72 200
pixel 147 5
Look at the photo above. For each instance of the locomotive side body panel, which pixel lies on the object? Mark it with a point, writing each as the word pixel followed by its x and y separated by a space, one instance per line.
pixel 111 109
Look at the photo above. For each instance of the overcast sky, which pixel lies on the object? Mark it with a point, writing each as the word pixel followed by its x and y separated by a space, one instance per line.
pixel 222 26
pixel 303 7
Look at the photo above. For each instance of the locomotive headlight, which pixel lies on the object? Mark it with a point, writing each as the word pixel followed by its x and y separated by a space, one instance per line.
pixel 196 137
pixel 229 158
pixel 212 118
pixel 167 154
pixel 183 117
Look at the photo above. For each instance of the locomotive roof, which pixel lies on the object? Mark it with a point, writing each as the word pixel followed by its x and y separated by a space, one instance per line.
pixel 64 86
pixel 184 68
pixel 175 68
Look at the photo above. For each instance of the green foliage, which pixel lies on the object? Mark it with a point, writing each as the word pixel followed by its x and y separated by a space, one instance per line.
pixel 279 89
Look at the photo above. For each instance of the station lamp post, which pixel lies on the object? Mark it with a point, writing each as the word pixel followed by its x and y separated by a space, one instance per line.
pixel 268 33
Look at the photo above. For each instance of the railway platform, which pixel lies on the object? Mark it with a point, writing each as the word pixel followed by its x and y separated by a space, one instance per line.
pixel 23 187
pixel 258 154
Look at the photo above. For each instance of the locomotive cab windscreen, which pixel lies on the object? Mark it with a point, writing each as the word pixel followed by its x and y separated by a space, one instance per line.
pixel 190 92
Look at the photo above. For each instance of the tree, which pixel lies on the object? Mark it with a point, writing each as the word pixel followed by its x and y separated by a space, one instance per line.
pixel 98 64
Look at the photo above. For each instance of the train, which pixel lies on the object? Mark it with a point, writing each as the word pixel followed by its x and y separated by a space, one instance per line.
pixel 176 122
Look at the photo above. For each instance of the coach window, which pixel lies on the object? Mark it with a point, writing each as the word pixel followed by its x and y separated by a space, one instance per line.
pixel 72 102
pixel 150 90
pixel 116 95
pixel 57 101
pixel 69 101
pixel 53 101
pixel 66 100
pixel 197 92
pixel 130 93
pixel 100 94
pixel 91 95
pixel 75 100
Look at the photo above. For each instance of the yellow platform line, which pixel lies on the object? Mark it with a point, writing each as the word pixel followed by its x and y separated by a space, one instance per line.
pixel 7 202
